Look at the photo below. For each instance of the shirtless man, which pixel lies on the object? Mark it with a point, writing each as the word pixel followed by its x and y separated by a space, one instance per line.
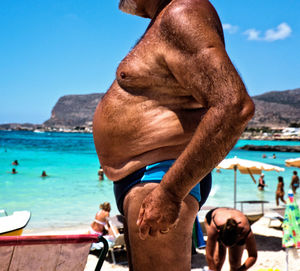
pixel 229 228
pixel 175 110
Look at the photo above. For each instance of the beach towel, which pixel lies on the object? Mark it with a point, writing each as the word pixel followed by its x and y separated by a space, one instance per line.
pixel 291 224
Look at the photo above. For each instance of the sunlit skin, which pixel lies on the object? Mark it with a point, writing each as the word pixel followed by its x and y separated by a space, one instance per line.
pixel 295 182
pixel 279 194
pixel 216 250
pixel 176 96
pixel 100 216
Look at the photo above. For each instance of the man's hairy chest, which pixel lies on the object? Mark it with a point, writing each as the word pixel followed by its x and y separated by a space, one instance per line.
pixel 144 70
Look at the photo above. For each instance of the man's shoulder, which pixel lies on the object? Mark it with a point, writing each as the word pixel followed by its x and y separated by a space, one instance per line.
pixel 189 21
pixel 189 10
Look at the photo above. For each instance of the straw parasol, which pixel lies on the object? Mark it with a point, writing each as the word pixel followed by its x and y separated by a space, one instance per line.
pixel 246 167
pixel 293 162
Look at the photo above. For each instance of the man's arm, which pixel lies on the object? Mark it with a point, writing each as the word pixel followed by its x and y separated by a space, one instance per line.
pixel 195 54
pixel 252 253
pixel 201 65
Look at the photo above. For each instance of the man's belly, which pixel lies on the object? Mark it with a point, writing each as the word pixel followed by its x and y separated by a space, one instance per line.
pixel 131 132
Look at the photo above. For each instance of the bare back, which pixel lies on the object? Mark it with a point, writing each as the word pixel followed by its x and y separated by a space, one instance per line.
pixel 221 215
pixel 100 221
pixel 147 115
pixel 215 248
pixel 295 179
pixel 280 188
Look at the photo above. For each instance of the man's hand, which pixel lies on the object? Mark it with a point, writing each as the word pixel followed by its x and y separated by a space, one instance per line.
pixel 158 213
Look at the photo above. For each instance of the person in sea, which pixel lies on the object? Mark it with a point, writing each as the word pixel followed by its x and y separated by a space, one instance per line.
pixel 15 163
pixel 295 182
pixel 229 228
pixel 100 174
pixel 44 174
pixel 100 225
pixel 280 191
pixel 175 110
pixel 261 182
pixel 13 171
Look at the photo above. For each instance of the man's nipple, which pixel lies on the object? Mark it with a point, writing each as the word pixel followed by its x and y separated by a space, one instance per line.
pixel 122 75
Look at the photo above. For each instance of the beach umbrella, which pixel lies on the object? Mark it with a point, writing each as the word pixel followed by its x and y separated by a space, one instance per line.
pixel 246 167
pixel 293 162
pixel 291 225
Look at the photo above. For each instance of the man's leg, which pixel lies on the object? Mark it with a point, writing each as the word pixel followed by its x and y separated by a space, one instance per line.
pixel 171 251
pixel 128 250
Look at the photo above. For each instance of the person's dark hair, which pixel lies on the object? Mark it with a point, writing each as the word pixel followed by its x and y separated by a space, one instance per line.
pixel 105 206
pixel 295 172
pixel 229 232
pixel 280 179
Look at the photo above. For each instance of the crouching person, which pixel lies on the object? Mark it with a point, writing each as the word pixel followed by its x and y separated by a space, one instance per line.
pixel 229 228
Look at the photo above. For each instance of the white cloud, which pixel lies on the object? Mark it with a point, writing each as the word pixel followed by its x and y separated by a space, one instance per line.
pixel 281 32
pixel 252 34
pixel 230 28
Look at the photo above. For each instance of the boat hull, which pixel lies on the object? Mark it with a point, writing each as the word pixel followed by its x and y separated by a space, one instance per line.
pixel 13 225
pixel 12 233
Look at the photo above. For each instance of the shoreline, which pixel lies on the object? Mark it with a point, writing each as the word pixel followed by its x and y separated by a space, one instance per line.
pixel 56 231
pixel 269 148
pixel 278 136
pixel 81 228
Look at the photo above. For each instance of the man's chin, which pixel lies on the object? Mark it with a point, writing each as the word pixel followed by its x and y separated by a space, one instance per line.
pixel 128 6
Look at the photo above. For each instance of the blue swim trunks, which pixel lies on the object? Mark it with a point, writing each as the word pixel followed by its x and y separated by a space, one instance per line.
pixel 154 174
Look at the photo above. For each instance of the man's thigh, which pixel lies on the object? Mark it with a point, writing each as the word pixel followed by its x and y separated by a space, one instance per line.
pixel 171 251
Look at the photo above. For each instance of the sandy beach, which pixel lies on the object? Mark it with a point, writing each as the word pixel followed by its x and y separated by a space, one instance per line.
pixel 271 256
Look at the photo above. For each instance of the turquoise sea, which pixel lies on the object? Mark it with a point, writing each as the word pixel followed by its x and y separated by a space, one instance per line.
pixel 70 196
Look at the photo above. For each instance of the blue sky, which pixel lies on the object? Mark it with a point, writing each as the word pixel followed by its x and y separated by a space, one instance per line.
pixel 51 48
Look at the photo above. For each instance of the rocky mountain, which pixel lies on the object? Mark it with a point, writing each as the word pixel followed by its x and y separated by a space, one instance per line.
pixel 74 110
pixel 275 108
